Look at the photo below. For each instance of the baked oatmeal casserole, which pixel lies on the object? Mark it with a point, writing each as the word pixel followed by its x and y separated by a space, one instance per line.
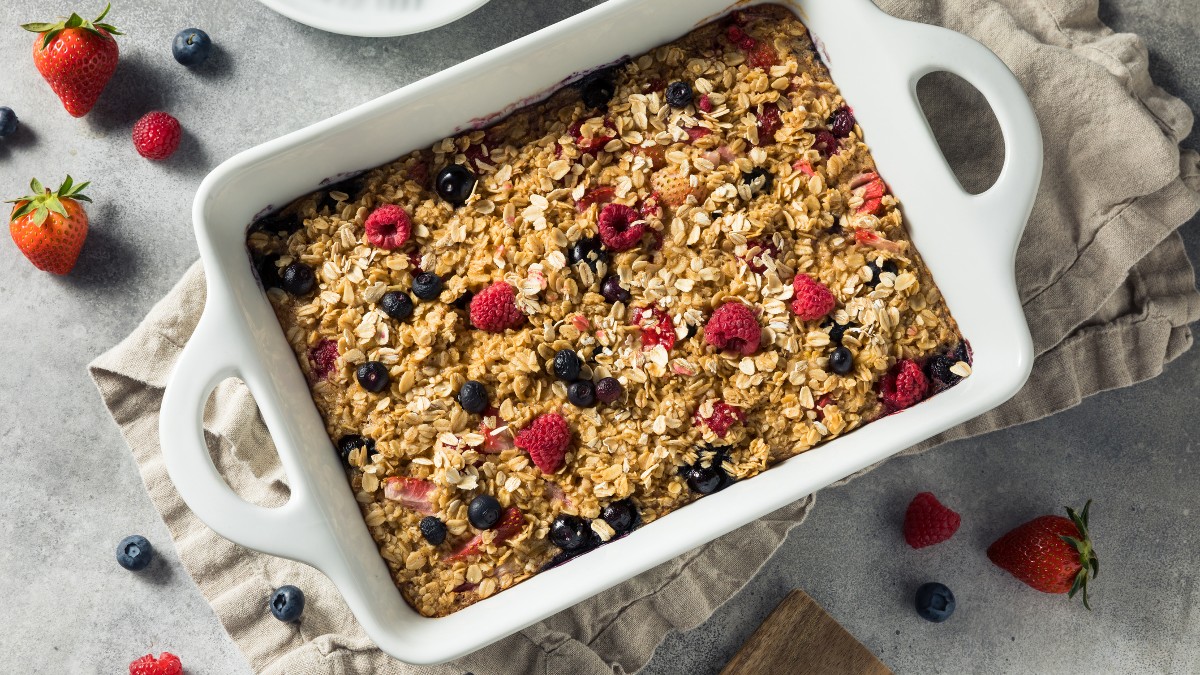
pixel 533 338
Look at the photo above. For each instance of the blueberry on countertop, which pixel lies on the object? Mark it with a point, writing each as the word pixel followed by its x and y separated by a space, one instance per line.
pixel 433 529
pixel 582 394
pixel 934 602
pixel 427 286
pixel 567 365
pixel 397 305
pixel 298 279
pixel 621 515
pixel 570 533
pixel 473 397
pixel 8 121
pixel 373 376
pixel 134 553
pixel 841 361
pixel 484 512
pixel 287 603
pixel 191 47
pixel 679 94
pixel 455 183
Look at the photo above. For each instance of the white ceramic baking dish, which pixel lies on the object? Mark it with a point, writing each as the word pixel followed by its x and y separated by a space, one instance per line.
pixel 969 243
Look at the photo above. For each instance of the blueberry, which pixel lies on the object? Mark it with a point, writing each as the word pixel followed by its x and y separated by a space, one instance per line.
pixel 373 376
pixel 287 603
pixel 567 365
pixel 598 89
pixel 191 47
pixel 935 602
pixel 609 389
pixel 298 279
pixel 455 183
pixel 433 530
pixel 570 533
pixel 463 301
pixel 268 270
pixel 705 480
pixel 484 512
pixel 427 286
pixel 587 250
pixel 582 394
pixel 351 442
pixel 8 121
pixel 841 361
pixel 679 94
pixel 473 397
pixel 754 174
pixel 841 123
pixel 134 553
pixel 620 516
pixel 612 290
pixel 836 330
pixel 397 305
pixel 277 223
pixel 888 266
pixel 938 369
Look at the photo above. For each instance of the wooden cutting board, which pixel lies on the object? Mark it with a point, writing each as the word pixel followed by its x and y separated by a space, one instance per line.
pixel 800 638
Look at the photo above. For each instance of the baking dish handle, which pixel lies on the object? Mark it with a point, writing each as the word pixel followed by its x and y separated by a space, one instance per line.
pixel 212 355
pixel 1004 208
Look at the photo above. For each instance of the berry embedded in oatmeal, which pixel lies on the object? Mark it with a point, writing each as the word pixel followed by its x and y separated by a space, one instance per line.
pixel 534 338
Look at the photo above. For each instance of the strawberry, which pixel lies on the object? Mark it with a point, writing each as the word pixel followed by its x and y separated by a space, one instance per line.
pixel 871 188
pixel 77 57
pixel 412 493
pixel 510 526
pixel 674 188
pixel 656 326
pixel 1051 554
pixel 49 227
pixel 600 195
pixel 928 521
pixel 166 664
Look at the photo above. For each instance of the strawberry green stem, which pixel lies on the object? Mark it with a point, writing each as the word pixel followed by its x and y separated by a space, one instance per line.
pixel 51 30
pixel 41 202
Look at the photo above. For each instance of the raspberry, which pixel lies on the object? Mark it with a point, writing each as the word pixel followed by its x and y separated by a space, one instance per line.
pixel 826 143
pixel 657 328
pixel 323 358
pixel 546 440
pixel 494 309
pixel 650 207
pixel 494 442
pixel 388 227
pixel 733 327
pixel 842 122
pixel 621 228
pixel 761 55
pixel 157 135
pixel 166 664
pixel 904 385
pixel 812 299
pixel 735 35
pixel 722 419
pixel 768 123
pixel 705 104
pixel 928 522
pixel 696 133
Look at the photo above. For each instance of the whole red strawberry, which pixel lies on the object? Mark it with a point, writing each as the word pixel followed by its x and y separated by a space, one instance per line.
pixel 157 135
pixel 1050 553
pixel 166 664
pixel 928 522
pixel 77 57
pixel 50 227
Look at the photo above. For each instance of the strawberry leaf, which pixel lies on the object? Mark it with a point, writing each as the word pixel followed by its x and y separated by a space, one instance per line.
pixel 103 14
pixel 23 211
pixel 36 186
pixel 65 188
pixel 38 27
pixel 40 214
pixel 56 206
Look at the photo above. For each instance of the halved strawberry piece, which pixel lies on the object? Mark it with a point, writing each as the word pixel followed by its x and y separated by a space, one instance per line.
pixel 412 493
pixel 674 188
pixel 510 525
pixel 696 133
pixel 655 153
pixel 804 168
pixel 657 328
pixel 601 195
pixel 598 140
pixel 872 239
pixel 494 442
pixel 871 188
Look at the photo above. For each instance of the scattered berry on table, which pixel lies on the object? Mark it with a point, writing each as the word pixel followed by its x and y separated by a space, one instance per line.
pixel 733 327
pixel 48 238
pixel 811 299
pixel 609 389
pixel 77 58
pixel 156 136
pixel 323 358
pixel 752 178
pixel 598 89
pixel 191 47
pixel 373 376
pixel 397 304
pixel 166 664
pixel 679 94
pixel 934 602
pixel 704 480
pixel 298 278
pixel 427 286
pixel 494 309
pixel 473 397
pixel 613 291
pixel 1051 554
pixel 904 385
pixel 620 515
pixel 134 553
pixel 841 123
pixel 351 442
pixel 586 250
pixel 841 361
pixel 719 417
pixel 484 512
pixel 582 394
pixel 567 365
pixel 546 439
pixel 287 603
pixel 621 227
pixel 455 183
pixel 927 521
pixel 570 533
pixel 8 121
pixel 388 227
pixel 433 529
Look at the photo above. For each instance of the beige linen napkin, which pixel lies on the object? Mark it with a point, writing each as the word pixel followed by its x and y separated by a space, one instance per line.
pixel 1106 284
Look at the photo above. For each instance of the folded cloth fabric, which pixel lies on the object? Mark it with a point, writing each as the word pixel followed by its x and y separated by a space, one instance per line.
pixel 1107 289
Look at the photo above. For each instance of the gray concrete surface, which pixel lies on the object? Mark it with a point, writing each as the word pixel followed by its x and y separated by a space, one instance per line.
pixel 69 489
